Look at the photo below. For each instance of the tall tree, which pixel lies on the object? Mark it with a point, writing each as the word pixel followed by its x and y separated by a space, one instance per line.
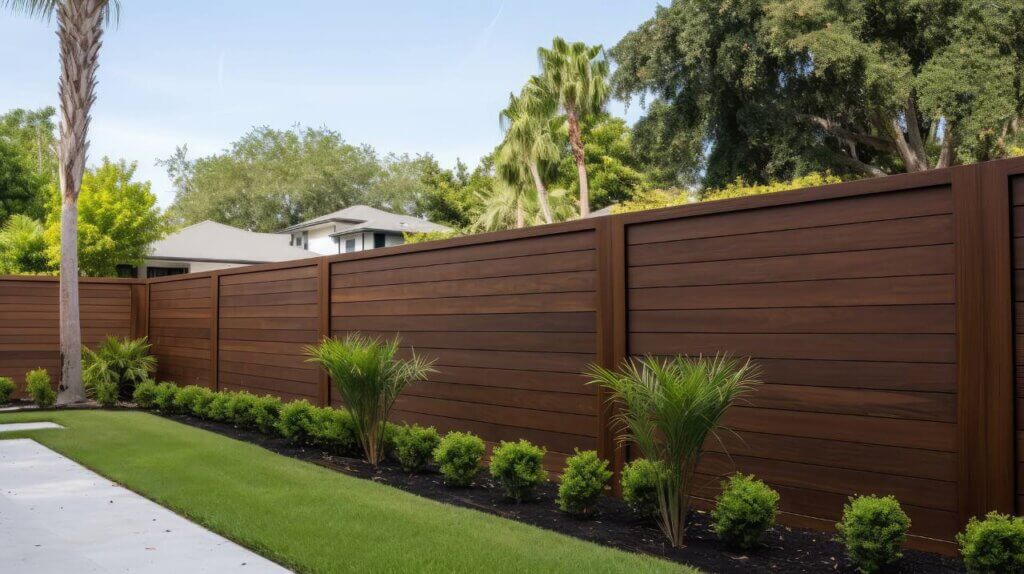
pixel 118 219
pixel 22 247
pixel 773 89
pixel 19 187
pixel 32 133
pixel 575 77
pixel 80 26
pixel 531 131
pixel 614 171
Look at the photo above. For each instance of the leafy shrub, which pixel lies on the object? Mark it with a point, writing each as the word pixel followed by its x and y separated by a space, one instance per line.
pixel 123 362
pixel 105 393
pixel 518 467
pixel 334 430
pixel 640 486
pixel 6 390
pixel 186 397
pixel 163 398
pixel 670 407
pixel 873 529
pixel 458 455
pixel 583 481
pixel 265 414
pixel 295 421
pixel 201 402
pixel 369 378
pixel 39 388
pixel 241 410
pixel 145 394
pixel 744 511
pixel 993 545
pixel 217 409
pixel 414 446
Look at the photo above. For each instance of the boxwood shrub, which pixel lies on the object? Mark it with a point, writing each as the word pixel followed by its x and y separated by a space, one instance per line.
pixel 744 511
pixel 333 430
pixel 993 545
pixel 414 445
pixel 584 480
pixel 39 388
pixel 145 394
pixel 217 409
pixel 105 393
pixel 640 486
pixel 458 456
pixel 6 390
pixel 186 397
pixel 163 398
pixel 295 421
pixel 519 468
pixel 873 529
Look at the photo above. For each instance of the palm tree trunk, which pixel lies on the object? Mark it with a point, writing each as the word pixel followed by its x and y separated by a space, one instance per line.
pixel 520 214
pixel 576 142
pixel 80 30
pixel 542 193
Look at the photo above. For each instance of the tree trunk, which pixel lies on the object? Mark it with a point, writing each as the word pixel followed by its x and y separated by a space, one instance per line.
pixel 520 214
pixel 542 193
pixel 576 142
pixel 80 30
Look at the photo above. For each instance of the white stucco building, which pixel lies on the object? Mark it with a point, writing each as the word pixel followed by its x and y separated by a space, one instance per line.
pixel 355 228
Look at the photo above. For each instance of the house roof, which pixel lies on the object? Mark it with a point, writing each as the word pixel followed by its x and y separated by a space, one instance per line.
pixel 212 241
pixel 364 217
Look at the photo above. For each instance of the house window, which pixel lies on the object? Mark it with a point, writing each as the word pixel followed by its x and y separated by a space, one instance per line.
pixel 127 271
pixel 152 272
pixel 350 245
pixel 379 240
pixel 305 240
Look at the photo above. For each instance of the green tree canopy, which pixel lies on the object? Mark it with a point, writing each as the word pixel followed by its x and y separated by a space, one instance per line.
pixel 22 247
pixel 19 187
pixel 270 179
pixel 613 168
pixel 769 90
pixel 118 219
pixel 33 134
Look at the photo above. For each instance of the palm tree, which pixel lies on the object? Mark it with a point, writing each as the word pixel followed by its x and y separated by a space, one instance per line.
pixel 530 127
pixel 575 78
pixel 80 26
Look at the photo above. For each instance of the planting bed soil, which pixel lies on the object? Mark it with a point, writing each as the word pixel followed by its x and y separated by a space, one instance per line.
pixel 783 550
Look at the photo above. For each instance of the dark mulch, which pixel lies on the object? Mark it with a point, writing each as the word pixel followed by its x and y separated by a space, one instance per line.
pixel 785 549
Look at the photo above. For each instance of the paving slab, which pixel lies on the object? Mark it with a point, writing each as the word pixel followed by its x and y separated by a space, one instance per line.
pixel 58 516
pixel 14 427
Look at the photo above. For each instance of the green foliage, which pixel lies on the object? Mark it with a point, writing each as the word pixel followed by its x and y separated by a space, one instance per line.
pixel 6 390
pixel 217 409
pixel 415 445
pixel 105 393
pixel 21 189
pixel 872 530
pixel 295 421
pixel 614 171
pixel 994 545
pixel 369 378
pixel 519 468
pixel 670 407
pixel 39 388
pixel 431 236
pixel 241 409
pixel 121 362
pixel 640 486
pixel 28 161
pixel 458 456
pixel 334 430
pixel 773 89
pixel 744 511
pixel 118 219
pixel 740 188
pixel 23 247
pixel 584 480
pixel 266 412
pixel 163 397
pixel 145 394
pixel 186 399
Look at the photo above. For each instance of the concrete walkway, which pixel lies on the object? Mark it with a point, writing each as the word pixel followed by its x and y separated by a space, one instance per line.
pixel 14 427
pixel 57 516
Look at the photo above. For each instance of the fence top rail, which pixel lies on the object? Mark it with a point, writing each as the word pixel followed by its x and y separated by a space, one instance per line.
pixel 55 278
pixel 892 183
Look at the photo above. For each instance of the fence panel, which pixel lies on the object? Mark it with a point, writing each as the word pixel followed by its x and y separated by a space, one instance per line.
pixel 180 326
pixel 1018 266
pixel 29 321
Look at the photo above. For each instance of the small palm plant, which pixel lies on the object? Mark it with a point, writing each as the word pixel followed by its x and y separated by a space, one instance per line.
pixel 669 407
pixel 369 378
pixel 122 362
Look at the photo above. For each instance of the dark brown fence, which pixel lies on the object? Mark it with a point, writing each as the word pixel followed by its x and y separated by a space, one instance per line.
pixel 879 312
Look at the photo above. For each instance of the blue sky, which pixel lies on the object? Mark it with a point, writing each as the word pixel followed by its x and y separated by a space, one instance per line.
pixel 402 76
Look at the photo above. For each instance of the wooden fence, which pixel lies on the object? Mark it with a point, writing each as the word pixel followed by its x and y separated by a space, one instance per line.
pixel 880 311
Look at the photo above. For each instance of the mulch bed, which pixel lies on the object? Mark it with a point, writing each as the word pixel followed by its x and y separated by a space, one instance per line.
pixel 784 549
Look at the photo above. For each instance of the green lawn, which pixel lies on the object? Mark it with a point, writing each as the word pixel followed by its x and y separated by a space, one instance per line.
pixel 305 517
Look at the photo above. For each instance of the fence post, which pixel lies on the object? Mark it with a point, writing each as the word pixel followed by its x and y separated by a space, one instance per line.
pixel 140 310
pixel 984 325
pixel 324 326
pixel 611 332
pixel 214 330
